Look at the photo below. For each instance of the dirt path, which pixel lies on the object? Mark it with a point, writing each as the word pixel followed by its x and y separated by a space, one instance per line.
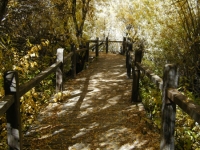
pixel 96 113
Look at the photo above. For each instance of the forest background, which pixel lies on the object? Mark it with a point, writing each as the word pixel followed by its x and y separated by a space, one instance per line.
pixel 32 30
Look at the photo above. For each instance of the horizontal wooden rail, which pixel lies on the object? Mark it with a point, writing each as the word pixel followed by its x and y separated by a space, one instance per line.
pixel 9 104
pixel 188 106
pixel 32 83
pixel 5 103
pixel 110 41
pixel 69 55
pixel 153 77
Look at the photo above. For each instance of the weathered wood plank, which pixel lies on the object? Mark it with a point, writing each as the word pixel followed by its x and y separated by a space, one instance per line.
pixel 97 47
pixel 124 46
pixel 59 70
pixel 188 106
pixel 13 115
pixel 106 44
pixel 153 77
pixel 136 77
pixel 73 49
pixel 87 52
pixel 5 103
pixel 170 80
pixel 30 84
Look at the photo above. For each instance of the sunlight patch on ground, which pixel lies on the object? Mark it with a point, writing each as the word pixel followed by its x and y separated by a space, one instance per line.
pixel 61 113
pixel 98 75
pixel 85 105
pixel 83 114
pixel 62 108
pixel 38 129
pixel 112 101
pixel 110 80
pixel 79 146
pixel 111 139
pixel 73 100
pixel 116 73
pixel 119 66
pixel 81 79
pixel 66 93
pixel 135 144
pixel 51 106
pixel 122 75
pixel 87 108
pixel 93 82
pixel 75 92
pixel 83 131
pixel 51 134
pixel 70 104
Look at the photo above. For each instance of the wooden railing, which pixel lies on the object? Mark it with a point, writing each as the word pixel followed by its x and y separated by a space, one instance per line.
pixel 170 95
pixel 107 41
pixel 10 104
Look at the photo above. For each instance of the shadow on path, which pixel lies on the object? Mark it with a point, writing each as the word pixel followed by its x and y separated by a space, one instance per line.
pixel 96 115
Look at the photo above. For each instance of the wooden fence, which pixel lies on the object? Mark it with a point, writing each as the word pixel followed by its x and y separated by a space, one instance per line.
pixel 170 95
pixel 10 104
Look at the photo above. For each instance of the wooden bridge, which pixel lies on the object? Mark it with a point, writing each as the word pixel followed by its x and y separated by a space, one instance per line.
pixel 96 113
pixel 100 107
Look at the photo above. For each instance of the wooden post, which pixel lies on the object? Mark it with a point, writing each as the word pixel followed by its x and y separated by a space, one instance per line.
pixel 97 47
pixel 13 116
pixel 87 51
pixel 170 80
pixel 128 60
pixel 106 45
pixel 59 71
pixel 127 55
pixel 73 49
pixel 124 46
pixel 136 77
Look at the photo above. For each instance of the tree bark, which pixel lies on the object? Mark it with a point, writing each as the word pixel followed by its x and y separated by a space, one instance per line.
pixel 170 80
pixel 84 11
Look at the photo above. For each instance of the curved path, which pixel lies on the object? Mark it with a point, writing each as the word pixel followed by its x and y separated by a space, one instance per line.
pixel 95 114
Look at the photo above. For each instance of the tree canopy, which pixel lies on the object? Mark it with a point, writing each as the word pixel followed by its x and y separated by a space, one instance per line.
pixel 170 28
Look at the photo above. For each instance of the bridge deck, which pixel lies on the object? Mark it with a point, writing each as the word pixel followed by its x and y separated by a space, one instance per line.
pixel 95 114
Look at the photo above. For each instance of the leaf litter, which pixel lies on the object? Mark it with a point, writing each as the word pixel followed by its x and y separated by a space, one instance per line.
pixel 95 119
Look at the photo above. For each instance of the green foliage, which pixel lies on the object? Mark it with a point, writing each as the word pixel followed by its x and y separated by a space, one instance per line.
pixel 3 135
pixel 151 98
pixel 171 31
pixel 186 130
